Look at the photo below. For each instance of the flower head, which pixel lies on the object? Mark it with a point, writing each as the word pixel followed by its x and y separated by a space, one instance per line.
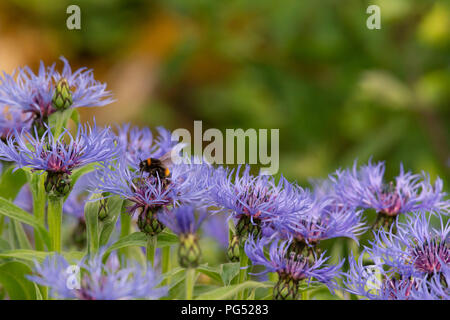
pixel 182 221
pixel 416 249
pixel 256 200
pixel 366 188
pixel 59 154
pixel 34 93
pixel 98 280
pixel 291 267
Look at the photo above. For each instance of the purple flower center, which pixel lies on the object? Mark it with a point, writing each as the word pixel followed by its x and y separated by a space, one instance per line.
pixel 429 256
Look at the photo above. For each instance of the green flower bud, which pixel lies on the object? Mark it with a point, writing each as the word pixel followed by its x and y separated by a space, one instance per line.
pixel 246 227
pixel 233 249
pixel 189 252
pixel 286 289
pixel 62 98
pixel 148 222
pixel 58 184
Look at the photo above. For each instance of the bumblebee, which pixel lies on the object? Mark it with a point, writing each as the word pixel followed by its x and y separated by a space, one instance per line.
pixel 156 167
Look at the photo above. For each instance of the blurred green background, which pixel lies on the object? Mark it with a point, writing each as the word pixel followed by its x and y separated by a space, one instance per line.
pixel 336 90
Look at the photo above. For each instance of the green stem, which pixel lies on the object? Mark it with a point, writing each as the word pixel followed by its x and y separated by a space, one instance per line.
pixel 125 228
pixel 166 263
pixel 151 249
pixel 54 216
pixel 39 199
pixel 243 264
pixel 190 282
pixel 2 223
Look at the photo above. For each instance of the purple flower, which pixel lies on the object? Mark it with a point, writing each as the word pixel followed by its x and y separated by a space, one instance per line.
pixel 291 267
pixel 416 249
pixel 324 220
pixel 188 183
pixel 182 220
pixel 256 200
pixel 365 188
pixel 33 93
pixel 12 119
pixel 374 283
pixel 60 154
pixel 98 280
pixel 138 144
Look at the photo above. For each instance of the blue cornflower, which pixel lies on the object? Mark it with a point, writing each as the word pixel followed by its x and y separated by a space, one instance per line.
pixel 256 201
pixel 216 227
pixel 12 119
pixel 188 183
pixel 59 156
pixel 365 188
pixel 139 144
pixel 324 220
pixel 97 280
pixel 292 268
pixel 33 93
pixel 374 283
pixel 416 249
pixel 184 223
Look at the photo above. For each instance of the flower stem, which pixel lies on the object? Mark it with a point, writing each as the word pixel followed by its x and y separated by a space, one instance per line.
pixel 166 263
pixel 151 249
pixel 54 216
pixel 190 282
pixel 243 259
pixel 39 197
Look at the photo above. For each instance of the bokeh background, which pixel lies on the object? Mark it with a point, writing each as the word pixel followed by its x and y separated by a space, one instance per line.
pixel 336 90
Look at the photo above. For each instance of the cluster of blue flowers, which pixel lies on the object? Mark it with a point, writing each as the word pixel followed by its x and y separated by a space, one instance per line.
pixel 274 223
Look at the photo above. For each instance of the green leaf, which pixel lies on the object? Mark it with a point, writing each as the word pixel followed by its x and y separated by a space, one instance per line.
pixel 167 238
pixel 75 117
pixel 228 292
pixel 20 236
pixel 38 292
pixel 114 207
pixel 11 182
pixel 212 272
pixel 229 271
pixel 39 256
pixel 7 208
pixel 12 278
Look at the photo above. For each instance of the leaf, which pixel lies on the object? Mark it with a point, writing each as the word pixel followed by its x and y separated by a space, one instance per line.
pixel 133 239
pixel 39 256
pixel 228 292
pixel 20 236
pixel 212 272
pixel 11 182
pixel 12 278
pixel 38 292
pixel 166 238
pixel 229 271
pixel 7 208
pixel 114 207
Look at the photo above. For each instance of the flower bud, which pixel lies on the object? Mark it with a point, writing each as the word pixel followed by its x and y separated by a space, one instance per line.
pixel 148 222
pixel 189 252
pixel 233 249
pixel 58 184
pixel 62 97
pixel 286 289
pixel 246 227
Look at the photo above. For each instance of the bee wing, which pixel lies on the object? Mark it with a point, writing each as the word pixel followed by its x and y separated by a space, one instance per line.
pixel 166 159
